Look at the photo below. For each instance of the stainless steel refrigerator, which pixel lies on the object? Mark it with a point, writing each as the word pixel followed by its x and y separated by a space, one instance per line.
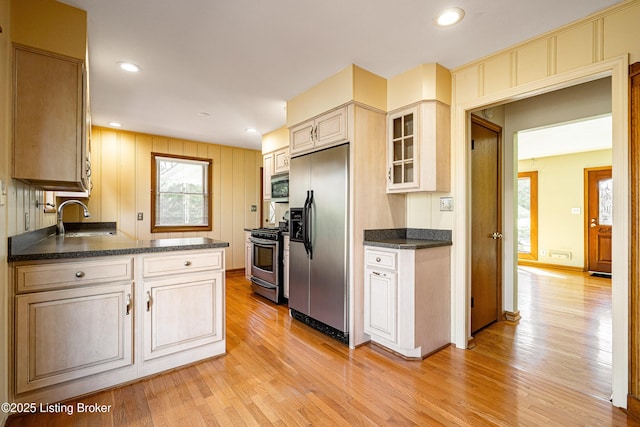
pixel 319 245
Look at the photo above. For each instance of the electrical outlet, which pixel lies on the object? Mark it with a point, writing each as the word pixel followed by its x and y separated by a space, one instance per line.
pixel 26 221
pixel 140 216
pixel 446 203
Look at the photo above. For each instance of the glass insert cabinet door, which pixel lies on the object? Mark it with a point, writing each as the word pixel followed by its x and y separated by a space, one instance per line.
pixel 402 156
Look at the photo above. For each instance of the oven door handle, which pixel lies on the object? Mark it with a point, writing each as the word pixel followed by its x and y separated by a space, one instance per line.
pixel 263 242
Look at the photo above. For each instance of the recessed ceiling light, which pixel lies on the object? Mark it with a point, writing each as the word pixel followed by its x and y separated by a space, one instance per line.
pixel 115 124
pixel 251 130
pixel 129 66
pixel 450 16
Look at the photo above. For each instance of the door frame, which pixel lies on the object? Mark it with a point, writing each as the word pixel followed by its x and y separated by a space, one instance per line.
pixel 498 130
pixel 586 210
pixel 617 69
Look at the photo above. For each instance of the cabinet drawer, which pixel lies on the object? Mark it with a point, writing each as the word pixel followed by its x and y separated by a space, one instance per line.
pixel 48 276
pixel 380 259
pixel 183 262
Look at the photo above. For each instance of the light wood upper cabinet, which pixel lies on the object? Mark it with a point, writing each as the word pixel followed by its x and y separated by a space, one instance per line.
pixel 323 131
pixel 418 155
pixel 50 136
pixel 281 160
pixel 267 171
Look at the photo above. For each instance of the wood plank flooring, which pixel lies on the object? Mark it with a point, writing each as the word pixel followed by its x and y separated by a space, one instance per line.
pixel 552 369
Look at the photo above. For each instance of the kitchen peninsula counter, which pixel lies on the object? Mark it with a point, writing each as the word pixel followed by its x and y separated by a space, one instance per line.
pixel 44 244
pixel 123 308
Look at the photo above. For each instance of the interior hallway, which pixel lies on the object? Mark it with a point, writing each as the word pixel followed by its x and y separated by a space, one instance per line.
pixel 565 331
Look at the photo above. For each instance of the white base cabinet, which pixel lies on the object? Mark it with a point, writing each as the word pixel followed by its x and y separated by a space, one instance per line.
pixel 407 299
pixel 101 322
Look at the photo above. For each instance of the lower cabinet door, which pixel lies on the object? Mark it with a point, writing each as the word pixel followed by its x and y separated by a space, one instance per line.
pixel 182 313
pixel 380 304
pixel 248 252
pixel 69 334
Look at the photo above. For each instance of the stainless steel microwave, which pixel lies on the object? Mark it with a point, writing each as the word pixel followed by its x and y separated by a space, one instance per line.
pixel 280 188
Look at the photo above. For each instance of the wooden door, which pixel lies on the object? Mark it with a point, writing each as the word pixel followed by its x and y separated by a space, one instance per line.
pixel 485 223
pixel 633 398
pixel 599 191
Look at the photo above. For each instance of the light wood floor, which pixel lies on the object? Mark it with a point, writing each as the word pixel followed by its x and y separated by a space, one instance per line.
pixel 554 368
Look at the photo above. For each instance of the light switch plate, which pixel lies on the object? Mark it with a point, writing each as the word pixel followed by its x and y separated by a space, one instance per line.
pixel 446 203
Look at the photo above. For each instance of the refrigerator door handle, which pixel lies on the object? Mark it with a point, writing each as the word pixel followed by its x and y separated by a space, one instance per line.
pixel 308 220
pixel 304 224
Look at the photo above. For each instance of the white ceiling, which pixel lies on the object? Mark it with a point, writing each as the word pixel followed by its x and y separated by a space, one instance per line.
pixel 240 60
pixel 590 134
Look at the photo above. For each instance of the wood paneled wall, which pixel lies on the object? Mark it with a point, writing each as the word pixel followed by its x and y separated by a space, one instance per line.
pixel 121 178
pixel 25 209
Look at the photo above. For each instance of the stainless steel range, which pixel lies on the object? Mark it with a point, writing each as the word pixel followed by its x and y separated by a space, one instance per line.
pixel 266 263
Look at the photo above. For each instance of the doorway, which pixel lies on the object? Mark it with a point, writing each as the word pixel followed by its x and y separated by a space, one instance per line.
pixel 617 68
pixel 599 204
pixel 486 236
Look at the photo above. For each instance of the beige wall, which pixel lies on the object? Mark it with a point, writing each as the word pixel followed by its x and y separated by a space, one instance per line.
pixel 561 188
pixel 121 177
pixel 350 84
pixel 50 25
pixel 275 140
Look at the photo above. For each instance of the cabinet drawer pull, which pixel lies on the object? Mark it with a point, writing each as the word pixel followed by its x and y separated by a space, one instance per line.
pixel 79 274
pixel 378 259
pixel 148 300
pixel 128 307
pixel 187 263
pixel 379 274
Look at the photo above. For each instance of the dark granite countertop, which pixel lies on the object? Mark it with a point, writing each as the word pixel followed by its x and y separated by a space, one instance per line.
pixel 407 238
pixel 44 244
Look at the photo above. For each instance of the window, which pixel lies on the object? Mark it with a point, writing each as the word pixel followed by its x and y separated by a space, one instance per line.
pixel 528 215
pixel 180 193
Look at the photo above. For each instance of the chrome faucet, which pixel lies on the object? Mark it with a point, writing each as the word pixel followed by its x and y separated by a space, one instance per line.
pixel 69 202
